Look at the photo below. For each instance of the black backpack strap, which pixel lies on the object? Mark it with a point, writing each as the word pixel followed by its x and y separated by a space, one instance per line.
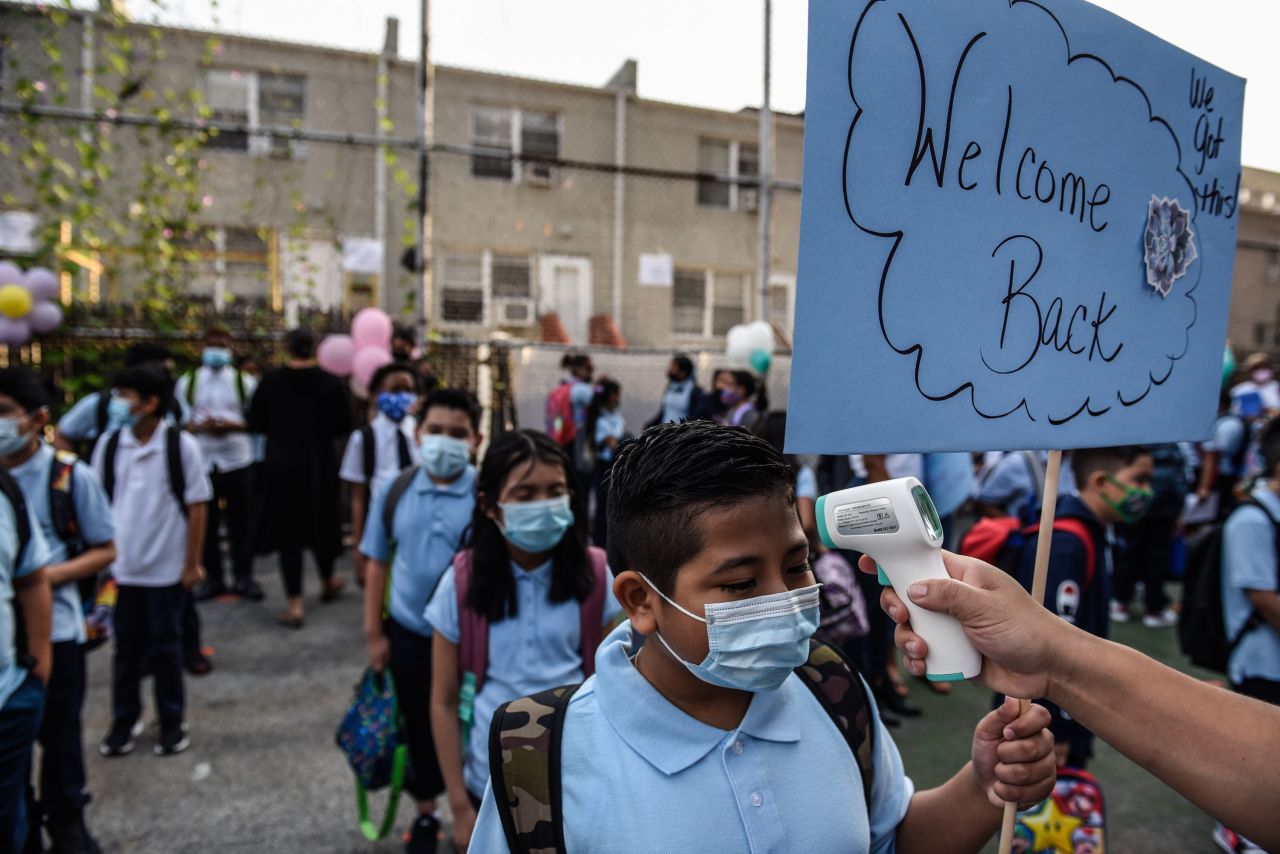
pixel 240 395
pixel 397 490
pixel 402 449
pixel 109 465
pixel 524 770
pixel 101 417
pixel 837 686
pixel 62 502
pixel 22 524
pixel 177 474
pixel 369 453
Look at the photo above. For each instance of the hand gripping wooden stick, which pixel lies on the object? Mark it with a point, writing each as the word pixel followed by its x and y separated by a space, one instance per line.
pixel 1044 540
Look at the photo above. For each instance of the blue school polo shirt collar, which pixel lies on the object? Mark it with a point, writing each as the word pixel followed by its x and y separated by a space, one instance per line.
pixel 665 736
pixel 464 485
pixel 540 574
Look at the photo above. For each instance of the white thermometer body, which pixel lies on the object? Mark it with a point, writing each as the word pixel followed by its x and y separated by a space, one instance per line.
pixel 895 522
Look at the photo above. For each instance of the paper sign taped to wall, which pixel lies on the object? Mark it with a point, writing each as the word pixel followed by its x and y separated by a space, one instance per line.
pixel 657 270
pixel 1018 229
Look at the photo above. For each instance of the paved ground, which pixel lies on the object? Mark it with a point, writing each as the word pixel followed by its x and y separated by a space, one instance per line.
pixel 263 773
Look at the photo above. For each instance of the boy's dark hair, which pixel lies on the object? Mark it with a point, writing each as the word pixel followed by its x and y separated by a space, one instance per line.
pixel 1086 461
pixel 672 474
pixel 605 388
pixel 26 387
pixel 1269 446
pixel 301 343
pixel 452 398
pixel 146 353
pixel 216 330
pixel 400 332
pixel 375 381
pixel 493 587
pixel 147 381
pixel 684 363
pixel 574 360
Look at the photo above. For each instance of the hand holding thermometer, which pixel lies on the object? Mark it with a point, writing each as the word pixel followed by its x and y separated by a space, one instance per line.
pixel 895 522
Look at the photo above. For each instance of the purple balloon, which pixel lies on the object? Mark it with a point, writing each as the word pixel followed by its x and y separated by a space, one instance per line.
pixel 14 332
pixel 43 284
pixel 10 273
pixel 45 317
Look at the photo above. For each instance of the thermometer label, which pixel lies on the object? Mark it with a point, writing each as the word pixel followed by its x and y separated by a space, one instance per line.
pixel 867 517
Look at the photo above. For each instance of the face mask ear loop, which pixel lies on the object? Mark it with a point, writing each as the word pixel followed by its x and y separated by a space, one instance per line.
pixel 670 602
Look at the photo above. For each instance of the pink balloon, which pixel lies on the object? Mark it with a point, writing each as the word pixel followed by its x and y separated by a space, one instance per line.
pixel 10 273
pixel 371 328
pixel 43 284
pixel 335 354
pixel 14 331
pixel 368 360
pixel 45 317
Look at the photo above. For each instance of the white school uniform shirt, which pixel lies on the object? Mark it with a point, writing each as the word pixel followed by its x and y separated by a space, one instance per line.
pixel 151 529
pixel 216 397
pixel 386 455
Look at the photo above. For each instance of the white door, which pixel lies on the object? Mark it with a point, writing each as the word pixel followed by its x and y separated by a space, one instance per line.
pixel 566 290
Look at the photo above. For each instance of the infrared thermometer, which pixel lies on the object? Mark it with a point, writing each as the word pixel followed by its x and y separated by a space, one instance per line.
pixel 895 522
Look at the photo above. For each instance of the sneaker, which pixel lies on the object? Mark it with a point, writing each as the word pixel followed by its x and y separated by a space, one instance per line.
pixel 423 837
pixel 173 740
pixel 1168 617
pixel 1233 843
pixel 1118 612
pixel 209 589
pixel 248 589
pixel 197 663
pixel 70 836
pixel 120 740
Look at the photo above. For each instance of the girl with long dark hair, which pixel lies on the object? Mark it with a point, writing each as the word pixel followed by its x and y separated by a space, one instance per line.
pixel 520 611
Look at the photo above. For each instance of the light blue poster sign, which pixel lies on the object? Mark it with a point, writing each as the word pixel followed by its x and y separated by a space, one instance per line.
pixel 1018 229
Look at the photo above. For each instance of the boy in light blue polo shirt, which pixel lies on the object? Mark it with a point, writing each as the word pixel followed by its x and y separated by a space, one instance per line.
pixel 79 533
pixel 428 522
pixel 672 748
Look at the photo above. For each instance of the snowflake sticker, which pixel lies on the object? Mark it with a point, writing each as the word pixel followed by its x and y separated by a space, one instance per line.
pixel 1169 244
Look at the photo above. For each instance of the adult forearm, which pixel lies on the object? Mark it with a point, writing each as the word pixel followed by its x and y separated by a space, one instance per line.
pixel 36 601
pixel 956 816
pixel 1208 473
pixel 1214 747
pixel 84 565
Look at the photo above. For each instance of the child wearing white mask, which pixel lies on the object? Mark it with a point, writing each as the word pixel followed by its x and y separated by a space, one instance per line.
pixel 420 516
pixel 523 609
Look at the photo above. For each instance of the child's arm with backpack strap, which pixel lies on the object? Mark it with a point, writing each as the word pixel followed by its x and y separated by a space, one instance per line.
pixel 447 734
pixel 93 516
pixel 1214 747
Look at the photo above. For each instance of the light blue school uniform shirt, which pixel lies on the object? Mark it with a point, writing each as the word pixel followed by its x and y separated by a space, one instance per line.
pixel 641 775
pixel 609 425
pixel 539 648
pixel 676 400
pixel 1249 563
pixel 1010 484
pixel 428 526
pixel 80 422
pixel 1229 436
pixel 806 483
pixel 14 565
pixel 93 515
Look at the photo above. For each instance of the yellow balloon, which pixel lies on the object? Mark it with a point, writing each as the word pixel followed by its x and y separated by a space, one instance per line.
pixel 15 301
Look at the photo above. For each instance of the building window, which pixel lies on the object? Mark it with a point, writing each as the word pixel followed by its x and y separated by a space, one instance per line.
pixel 707 303
pixel 512 277
pixel 256 99
pixel 507 135
pixel 781 291
pixel 462 288
pixel 720 164
pixel 1259 334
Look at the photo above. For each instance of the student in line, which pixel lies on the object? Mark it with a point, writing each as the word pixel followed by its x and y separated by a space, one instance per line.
pixel 381 449
pixel 74 516
pixel 607 429
pixel 430 508
pixel 743 399
pixel 1114 487
pixel 156 480
pixel 89 417
pixel 1216 748
pixel 527 580
pixel 705 738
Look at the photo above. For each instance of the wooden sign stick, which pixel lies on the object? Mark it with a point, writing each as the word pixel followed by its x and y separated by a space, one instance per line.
pixel 1044 540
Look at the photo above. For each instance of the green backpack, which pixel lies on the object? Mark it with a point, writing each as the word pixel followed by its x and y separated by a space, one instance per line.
pixel 525 739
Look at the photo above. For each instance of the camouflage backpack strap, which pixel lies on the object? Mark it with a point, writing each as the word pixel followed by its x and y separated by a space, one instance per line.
pixel 524 770
pixel 838 687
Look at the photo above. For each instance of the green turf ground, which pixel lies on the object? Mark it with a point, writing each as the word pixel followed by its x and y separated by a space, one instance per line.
pixel 1143 814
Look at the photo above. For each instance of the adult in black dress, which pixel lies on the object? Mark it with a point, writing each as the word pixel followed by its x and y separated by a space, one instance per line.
pixel 304 412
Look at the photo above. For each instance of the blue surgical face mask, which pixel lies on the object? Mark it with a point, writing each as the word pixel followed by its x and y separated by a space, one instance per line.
pixel 443 456
pixel 12 439
pixel 120 414
pixel 536 526
pixel 753 644
pixel 395 404
pixel 216 357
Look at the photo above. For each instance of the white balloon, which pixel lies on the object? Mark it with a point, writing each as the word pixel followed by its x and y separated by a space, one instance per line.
pixel 743 340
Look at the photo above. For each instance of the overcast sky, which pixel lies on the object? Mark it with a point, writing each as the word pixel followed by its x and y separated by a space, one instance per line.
pixel 708 52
